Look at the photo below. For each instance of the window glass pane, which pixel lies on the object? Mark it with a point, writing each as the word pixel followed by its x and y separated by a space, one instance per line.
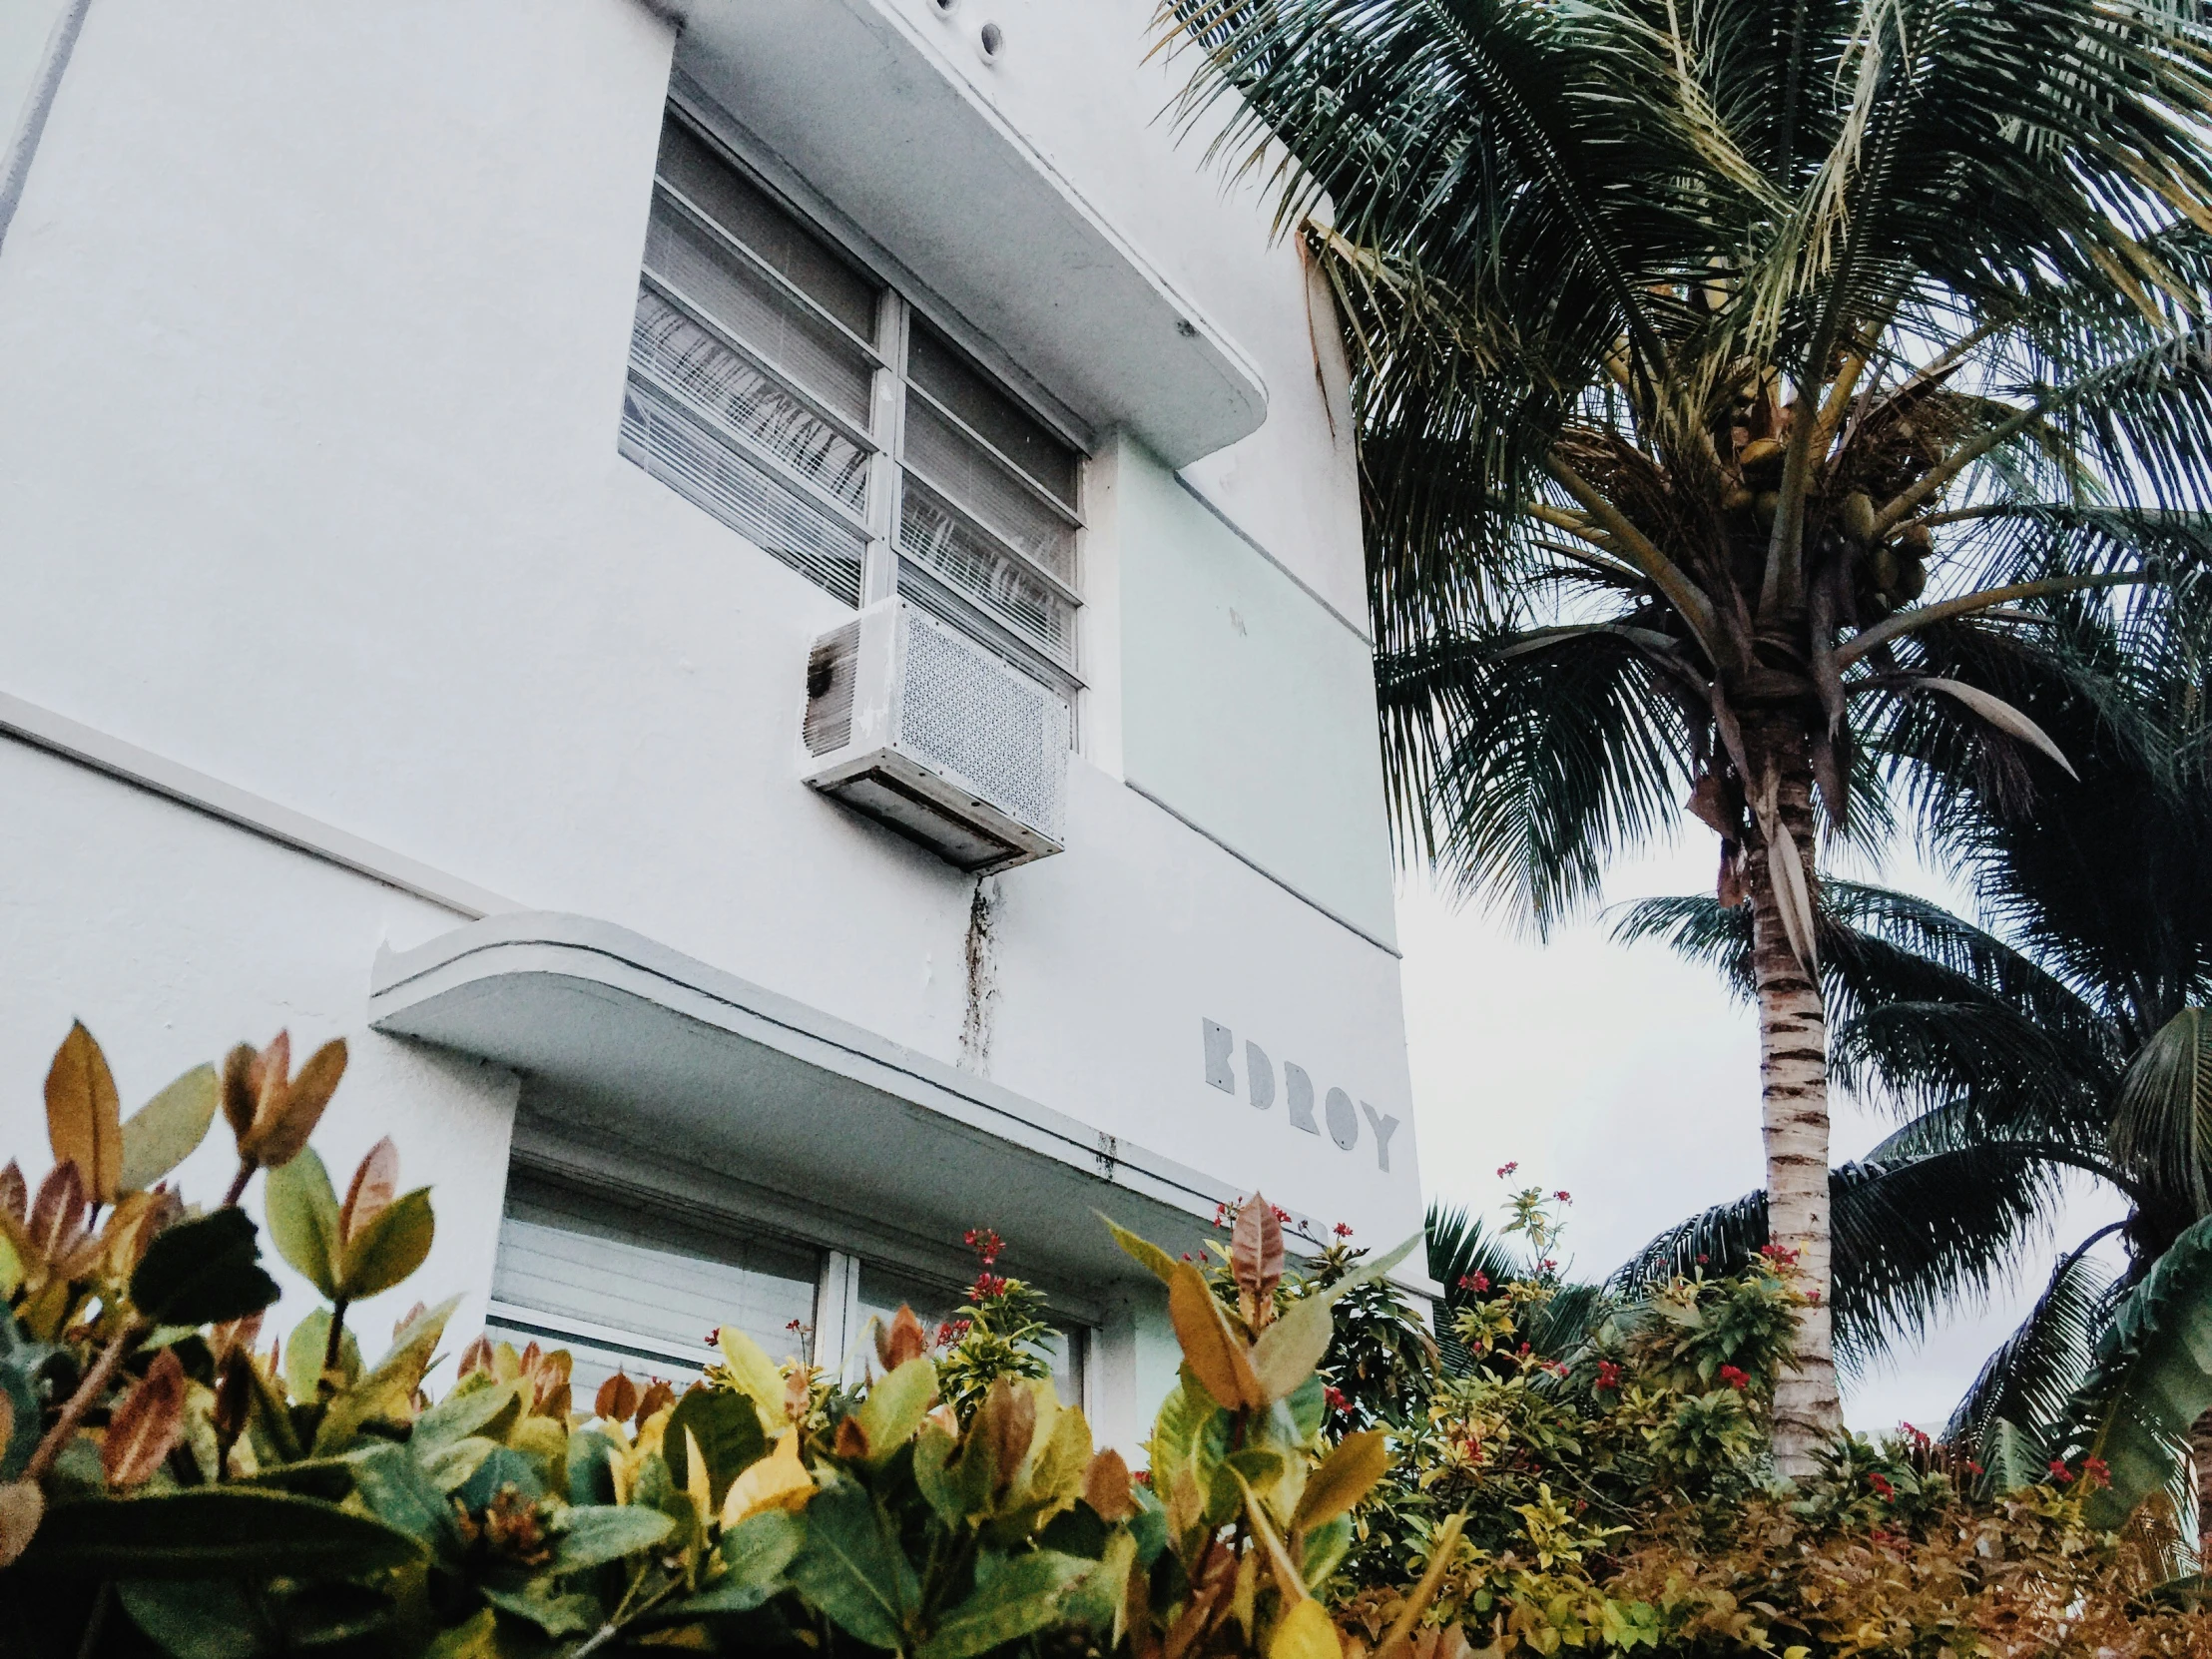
pixel 723 286
pixel 747 495
pixel 936 365
pixel 966 475
pixel 747 213
pixel 625 1283
pixel 975 565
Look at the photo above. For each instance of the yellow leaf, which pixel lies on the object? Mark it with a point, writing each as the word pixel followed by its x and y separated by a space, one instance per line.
pixel 756 1375
pixel 1304 1632
pixel 22 1505
pixel 1346 1477
pixel 1217 1356
pixel 778 1482
pixel 84 1116
pixel 696 1483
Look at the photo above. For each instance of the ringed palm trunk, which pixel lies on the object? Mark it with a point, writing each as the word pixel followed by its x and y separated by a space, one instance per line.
pixel 1793 1081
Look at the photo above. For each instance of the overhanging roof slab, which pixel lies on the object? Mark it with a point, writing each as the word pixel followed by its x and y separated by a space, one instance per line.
pixel 856 100
pixel 730 1077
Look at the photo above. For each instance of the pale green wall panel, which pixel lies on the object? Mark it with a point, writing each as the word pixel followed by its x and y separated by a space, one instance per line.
pixel 1248 706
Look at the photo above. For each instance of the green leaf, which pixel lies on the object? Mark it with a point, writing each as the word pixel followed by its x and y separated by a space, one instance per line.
pixel 330 1478
pixel 591 1535
pixel 894 1407
pixel 1143 1251
pixel 1287 1352
pixel 168 1129
pixel 955 1489
pixel 555 1613
pixel 754 1555
pixel 853 1568
pixel 302 1213
pixel 476 1405
pixel 390 1247
pixel 2151 1378
pixel 1344 1476
pixel 25 1415
pixel 590 1467
pixel 452 1465
pixel 401 1493
pixel 303 1351
pixel 728 1429
pixel 385 1392
pixel 216 1532
pixel 504 1468
pixel 202 1271
pixel 195 1618
pixel 1013 1600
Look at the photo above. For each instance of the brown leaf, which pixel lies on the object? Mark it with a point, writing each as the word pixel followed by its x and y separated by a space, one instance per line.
pixel 1106 1487
pixel 795 1392
pixel 477 1357
pixel 15 1195
pixel 22 1505
pixel 1002 1430
pixel 84 1117
pixel 234 1336
pixel 617 1401
pixel 57 1225
pixel 1710 805
pixel 1218 1356
pixel 1256 1258
pixel 900 1341
pixel 375 1183
pixel 234 1394
pixel 146 1424
pixel 238 1092
pixel 659 1395
pixel 409 1318
pixel 282 1128
pixel 852 1441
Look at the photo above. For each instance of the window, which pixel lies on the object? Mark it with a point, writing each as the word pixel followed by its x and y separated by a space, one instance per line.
pixel 813 409
pixel 634 1286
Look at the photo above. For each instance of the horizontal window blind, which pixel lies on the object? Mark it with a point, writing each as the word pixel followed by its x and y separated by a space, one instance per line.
pixel 626 1286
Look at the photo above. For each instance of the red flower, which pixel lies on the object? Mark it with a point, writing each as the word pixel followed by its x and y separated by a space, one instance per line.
pixel 1504 1170
pixel 1525 1348
pixel 713 1336
pixel 2097 1471
pixel 1609 1375
pixel 1342 1230
pixel 984 1243
pixel 1972 1466
pixel 1563 1196
pixel 1335 1397
pixel 1918 1436
pixel 1881 1486
pixel 2060 1472
pixel 1780 1254
pixel 1736 1377
pixel 1702 1260
pixel 1474 1281
pixel 987 1285
pixel 952 1331
pixel 794 1325
pixel 1546 1265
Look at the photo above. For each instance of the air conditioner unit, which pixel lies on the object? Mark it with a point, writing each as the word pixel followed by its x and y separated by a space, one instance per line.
pixel 915 724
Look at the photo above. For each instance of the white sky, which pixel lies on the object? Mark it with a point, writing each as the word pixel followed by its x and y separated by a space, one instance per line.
pixel 1629 1078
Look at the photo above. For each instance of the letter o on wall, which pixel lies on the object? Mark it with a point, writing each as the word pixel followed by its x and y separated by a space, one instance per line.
pixel 1343 1121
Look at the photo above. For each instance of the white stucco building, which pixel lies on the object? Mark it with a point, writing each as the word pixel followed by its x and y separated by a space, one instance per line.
pixel 433 436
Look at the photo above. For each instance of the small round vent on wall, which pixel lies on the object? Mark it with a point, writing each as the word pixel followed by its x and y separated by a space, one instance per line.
pixel 990 41
pixel 945 8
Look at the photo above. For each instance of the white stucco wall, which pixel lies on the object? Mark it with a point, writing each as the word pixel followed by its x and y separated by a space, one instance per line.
pixel 314 323
pixel 173 937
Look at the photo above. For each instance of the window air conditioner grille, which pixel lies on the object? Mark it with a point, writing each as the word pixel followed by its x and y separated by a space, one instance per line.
pixel 1003 732
pixel 833 668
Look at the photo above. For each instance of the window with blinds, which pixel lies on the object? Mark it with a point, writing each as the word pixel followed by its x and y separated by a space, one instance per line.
pixel 783 389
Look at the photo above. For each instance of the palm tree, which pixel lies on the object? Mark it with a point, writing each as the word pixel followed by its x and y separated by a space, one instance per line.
pixel 1720 369
pixel 2074 1033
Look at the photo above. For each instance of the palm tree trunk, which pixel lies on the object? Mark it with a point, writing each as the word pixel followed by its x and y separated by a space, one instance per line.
pixel 2200 1454
pixel 1793 1081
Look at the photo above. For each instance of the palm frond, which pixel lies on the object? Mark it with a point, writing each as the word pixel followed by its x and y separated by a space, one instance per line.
pixel 2027 1382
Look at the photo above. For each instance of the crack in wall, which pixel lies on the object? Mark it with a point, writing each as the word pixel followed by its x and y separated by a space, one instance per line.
pixel 982 978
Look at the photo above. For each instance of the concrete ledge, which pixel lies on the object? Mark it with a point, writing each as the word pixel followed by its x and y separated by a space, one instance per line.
pixel 629 1038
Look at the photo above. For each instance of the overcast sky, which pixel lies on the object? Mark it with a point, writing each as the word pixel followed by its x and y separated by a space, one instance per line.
pixel 1630 1079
